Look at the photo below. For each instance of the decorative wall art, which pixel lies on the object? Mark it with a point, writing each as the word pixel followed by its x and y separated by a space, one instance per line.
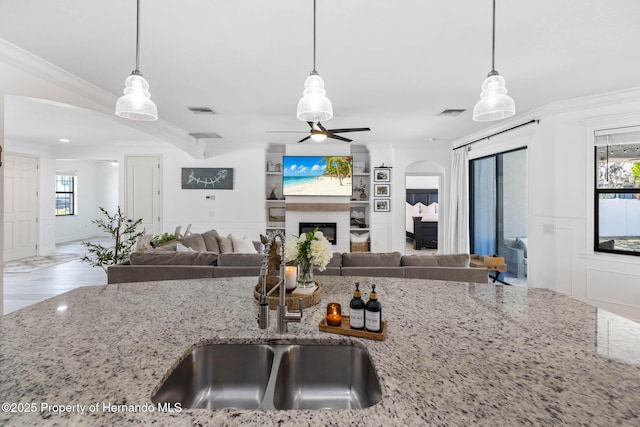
pixel 358 216
pixel 382 190
pixel 207 178
pixel 382 174
pixel 381 205
pixel 276 214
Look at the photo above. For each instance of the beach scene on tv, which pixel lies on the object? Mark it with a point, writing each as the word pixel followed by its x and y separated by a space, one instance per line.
pixel 317 176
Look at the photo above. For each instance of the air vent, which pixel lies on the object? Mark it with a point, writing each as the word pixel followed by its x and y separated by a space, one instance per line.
pixel 451 112
pixel 201 110
pixel 205 135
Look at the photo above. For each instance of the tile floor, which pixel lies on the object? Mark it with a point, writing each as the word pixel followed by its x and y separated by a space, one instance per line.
pixel 24 289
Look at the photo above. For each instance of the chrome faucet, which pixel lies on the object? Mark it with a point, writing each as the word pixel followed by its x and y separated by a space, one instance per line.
pixel 284 316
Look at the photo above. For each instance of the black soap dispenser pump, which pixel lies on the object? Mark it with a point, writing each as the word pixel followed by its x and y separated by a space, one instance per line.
pixel 373 313
pixel 356 309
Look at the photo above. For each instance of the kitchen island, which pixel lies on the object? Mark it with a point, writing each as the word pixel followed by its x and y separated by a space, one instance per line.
pixel 454 354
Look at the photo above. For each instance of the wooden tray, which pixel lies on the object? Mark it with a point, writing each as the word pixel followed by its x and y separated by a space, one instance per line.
pixel 308 300
pixel 345 329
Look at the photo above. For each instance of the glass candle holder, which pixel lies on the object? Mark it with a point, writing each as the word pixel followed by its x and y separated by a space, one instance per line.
pixel 334 314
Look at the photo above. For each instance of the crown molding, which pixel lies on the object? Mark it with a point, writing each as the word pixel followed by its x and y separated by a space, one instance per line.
pixel 102 100
pixel 556 108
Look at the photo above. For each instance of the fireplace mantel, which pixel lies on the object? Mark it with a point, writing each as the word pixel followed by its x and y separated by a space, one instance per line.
pixel 318 207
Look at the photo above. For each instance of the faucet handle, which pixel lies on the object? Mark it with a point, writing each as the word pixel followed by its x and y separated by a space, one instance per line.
pixel 300 306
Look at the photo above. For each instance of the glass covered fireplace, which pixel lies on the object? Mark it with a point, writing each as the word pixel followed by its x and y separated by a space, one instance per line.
pixel 327 228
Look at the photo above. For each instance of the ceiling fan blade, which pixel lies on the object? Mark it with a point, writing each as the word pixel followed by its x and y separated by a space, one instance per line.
pixel 305 138
pixel 322 128
pixel 341 138
pixel 348 130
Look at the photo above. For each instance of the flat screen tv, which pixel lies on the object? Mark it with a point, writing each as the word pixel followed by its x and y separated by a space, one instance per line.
pixel 317 176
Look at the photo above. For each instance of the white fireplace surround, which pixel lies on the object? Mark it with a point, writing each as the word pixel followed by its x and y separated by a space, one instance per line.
pixel 340 217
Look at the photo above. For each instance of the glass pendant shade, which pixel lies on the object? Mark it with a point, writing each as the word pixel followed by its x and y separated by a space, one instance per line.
pixel 314 105
pixel 494 102
pixel 136 103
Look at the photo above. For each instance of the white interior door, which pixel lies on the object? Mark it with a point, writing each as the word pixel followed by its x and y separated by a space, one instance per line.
pixel 142 188
pixel 20 206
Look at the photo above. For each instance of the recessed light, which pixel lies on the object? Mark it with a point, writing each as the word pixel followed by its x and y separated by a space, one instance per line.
pixel 65 140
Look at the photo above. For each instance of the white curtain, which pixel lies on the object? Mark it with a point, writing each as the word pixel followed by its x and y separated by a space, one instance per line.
pixel 457 232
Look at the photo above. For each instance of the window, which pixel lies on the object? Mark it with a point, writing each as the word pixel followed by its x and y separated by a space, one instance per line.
pixel 65 195
pixel 617 191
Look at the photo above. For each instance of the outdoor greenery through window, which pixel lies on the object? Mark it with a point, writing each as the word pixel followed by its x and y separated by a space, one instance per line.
pixel 65 195
pixel 617 191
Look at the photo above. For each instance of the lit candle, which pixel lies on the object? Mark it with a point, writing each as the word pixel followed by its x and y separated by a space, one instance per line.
pixel 290 277
pixel 334 315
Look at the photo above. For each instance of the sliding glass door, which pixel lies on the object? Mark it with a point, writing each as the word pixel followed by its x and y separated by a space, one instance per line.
pixel 498 209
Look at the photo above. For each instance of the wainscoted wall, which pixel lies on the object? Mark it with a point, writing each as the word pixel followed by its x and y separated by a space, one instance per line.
pixel 560 199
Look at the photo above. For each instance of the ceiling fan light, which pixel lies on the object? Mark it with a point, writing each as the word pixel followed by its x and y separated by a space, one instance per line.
pixel 494 102
pixel 318 136
pixel 136 103
pixel 314 105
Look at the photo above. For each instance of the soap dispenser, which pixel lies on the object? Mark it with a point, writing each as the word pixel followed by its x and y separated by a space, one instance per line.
pixel 373 313
pixel 356 309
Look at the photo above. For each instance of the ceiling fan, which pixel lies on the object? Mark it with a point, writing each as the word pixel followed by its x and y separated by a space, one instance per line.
pixel 319 133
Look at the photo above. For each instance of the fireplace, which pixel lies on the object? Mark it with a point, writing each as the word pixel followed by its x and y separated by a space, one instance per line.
pixel 327 228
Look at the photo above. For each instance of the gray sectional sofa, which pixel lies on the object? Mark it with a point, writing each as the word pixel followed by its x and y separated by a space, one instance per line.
pixel 170 265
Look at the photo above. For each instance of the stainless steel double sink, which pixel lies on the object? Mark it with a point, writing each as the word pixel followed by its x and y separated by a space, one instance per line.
pixel 273 376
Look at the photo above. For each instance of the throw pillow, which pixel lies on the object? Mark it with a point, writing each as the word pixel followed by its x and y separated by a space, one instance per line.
pixel 210 241
pixel 193 241
pixel 521 243
pixel 360 238
pixel 225 244
pixel 412 210
pixel 242 246
pixel 428 210
pixel 182 248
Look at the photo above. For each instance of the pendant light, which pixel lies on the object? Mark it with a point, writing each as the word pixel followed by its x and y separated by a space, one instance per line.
pixel 494 102
pixel 314 106
pixel 136 103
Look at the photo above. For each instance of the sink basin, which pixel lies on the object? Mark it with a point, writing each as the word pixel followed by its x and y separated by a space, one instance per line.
pixel 273 376
pixel 326 377
pixel 219 376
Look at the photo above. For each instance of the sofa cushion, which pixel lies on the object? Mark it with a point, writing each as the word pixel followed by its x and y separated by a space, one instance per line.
pixel 336 260
pixel 371 259
pixel 210 241
pixel 419 261
pixel 242 245
pixel 225 244
pixel 239 260
pixel 172 258
pixel 453 260
pixel 193 241
pixel 521 243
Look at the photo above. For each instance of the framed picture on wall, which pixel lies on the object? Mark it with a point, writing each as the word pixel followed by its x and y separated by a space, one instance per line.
pixel 207 178
pixel 381 205
pixel 382 190
pixel 358 216
pixel 382 174
pixel 276 214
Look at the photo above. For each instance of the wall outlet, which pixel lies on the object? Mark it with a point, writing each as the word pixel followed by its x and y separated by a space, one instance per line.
pixel 212 213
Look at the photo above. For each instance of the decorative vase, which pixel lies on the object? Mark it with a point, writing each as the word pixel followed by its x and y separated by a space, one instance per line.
pixel 305 273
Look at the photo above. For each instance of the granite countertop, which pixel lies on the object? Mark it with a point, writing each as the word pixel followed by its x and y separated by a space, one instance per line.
pixel 455 354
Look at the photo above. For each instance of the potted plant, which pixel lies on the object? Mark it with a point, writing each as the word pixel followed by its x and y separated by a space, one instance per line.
pixel 124 232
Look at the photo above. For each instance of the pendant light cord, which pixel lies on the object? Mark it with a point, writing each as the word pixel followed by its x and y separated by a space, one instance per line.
pixel 138 35
pixel 314 38
pixel 493 39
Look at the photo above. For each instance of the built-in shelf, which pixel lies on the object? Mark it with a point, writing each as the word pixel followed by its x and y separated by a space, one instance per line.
pixel 361 209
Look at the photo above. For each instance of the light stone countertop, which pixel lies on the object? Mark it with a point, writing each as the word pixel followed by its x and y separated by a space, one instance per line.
pixel 455 354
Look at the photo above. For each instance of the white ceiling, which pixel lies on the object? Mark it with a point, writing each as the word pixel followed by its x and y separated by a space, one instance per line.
pixel 391 65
